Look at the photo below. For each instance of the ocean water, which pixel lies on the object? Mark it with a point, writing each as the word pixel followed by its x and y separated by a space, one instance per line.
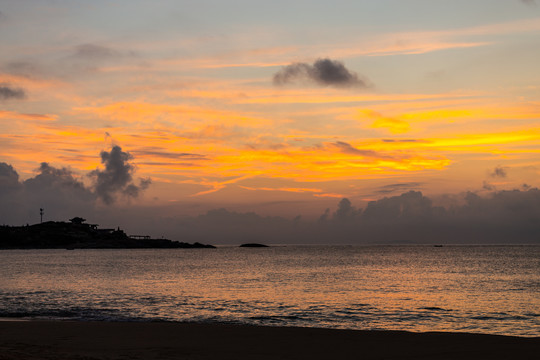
pixel 481 289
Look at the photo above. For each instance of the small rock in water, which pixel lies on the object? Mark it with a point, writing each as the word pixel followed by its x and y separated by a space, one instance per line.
pixel 253 245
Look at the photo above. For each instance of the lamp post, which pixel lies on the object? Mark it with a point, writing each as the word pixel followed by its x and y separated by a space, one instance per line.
pixel 41 215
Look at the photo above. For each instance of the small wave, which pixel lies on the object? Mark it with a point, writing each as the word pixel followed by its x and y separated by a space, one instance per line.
pixel 435 308
pixel 80 314
pixel 498 318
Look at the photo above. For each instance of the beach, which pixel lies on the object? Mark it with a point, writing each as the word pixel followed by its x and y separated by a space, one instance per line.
pixel 60 340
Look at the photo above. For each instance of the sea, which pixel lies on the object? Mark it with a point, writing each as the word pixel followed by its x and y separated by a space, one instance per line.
pixel 475 289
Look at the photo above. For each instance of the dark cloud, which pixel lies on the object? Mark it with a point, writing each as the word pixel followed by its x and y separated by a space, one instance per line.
pixel 509 216
pixel 117 177
pixel 63 194
pixel 407 206
pixel 345 211
pixel 499 217
pixel 9 179
pixel 144 183
pixel 324 217
pixel 8 92
pixel 56 186
pixel 93 51
pixel 325 72
pixel 132 190
pixel 59 191
pixel 499 172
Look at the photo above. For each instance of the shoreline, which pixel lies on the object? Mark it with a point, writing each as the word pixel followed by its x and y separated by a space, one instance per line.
pixel 46 339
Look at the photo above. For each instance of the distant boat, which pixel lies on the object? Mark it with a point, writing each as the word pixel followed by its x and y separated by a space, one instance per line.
pixel 254 245
pixel 437 246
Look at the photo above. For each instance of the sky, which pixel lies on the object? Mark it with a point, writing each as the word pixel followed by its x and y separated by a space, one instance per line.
pixel 171 118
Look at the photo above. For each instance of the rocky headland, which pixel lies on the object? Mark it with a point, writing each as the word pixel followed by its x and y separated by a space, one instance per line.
pixel 76 234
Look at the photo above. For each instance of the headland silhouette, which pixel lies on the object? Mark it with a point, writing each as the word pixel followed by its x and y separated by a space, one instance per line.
pixel 77 234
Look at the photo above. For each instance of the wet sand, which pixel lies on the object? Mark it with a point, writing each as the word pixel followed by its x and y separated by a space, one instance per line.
pixel 128 340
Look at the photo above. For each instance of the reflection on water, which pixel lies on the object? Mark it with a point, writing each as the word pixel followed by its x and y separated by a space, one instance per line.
pixel 417 288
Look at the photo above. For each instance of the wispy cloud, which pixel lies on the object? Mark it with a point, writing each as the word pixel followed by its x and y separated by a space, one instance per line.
pixel 347 148
pixel 22 116
pixel 422 42
pixel 398 187
pixel 395 126
pixel 218 185
pixel 93 51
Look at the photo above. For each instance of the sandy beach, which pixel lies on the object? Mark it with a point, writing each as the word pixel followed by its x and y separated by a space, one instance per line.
pixel 133 340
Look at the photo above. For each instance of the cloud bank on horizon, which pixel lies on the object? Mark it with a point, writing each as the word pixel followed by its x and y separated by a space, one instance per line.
pixel 508 217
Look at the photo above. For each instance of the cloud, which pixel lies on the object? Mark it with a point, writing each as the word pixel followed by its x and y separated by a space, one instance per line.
pixel 24 68
pixel 404 141
pixel 498 217
pixel 98 53
pixel 488 186
pixel 9 179
pixel 395 126
pixel 390 188
pixel 410 205
pixel 324 72
pixel 63 193
pixel 508 216
pixel 528 2
pixel 8 92
pixel 157 152
pixel 117 177
pixel 498 172
pixel 347 148
pixel 57 181
pixel 58 190
pixel 345 211
pixel 503 217
pixel 93 51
